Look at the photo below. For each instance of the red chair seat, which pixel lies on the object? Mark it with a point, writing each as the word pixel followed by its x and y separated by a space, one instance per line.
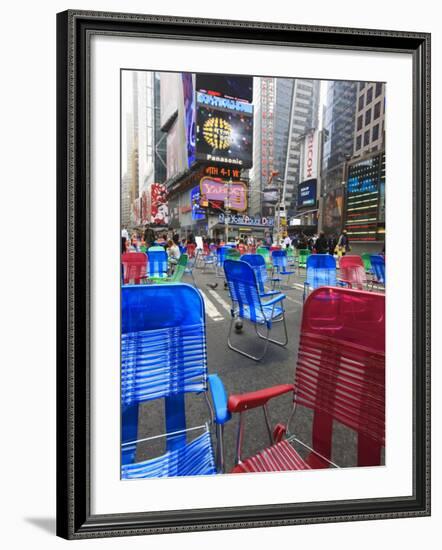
pixel 280 457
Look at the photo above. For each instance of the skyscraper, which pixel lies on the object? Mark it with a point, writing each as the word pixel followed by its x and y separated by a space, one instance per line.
pixel 303 118
pixel 338 147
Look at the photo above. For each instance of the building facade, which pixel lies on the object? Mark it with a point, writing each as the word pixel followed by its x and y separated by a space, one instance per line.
pixel 337 149
pixel 303 119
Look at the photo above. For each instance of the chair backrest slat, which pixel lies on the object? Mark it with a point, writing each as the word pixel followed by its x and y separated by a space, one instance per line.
pixel 158 263
pixel 340 372
pixel 321 270
pixel 134 267
pixel 163 342
pixel 378 267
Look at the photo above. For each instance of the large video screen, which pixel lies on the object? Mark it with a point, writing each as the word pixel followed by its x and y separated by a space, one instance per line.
pixel 231 86
pixel 224 137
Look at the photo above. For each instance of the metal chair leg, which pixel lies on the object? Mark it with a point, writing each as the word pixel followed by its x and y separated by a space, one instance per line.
pixel 232 347
pixel 277 342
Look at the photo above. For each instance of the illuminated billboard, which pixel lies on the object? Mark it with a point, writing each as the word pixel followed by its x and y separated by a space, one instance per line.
pixel 307 193
pixel 224 137
pixel 189 115
pixel 159 213
pixel 195 196
pixel 363 209
pixel 232 196
pixel 223 85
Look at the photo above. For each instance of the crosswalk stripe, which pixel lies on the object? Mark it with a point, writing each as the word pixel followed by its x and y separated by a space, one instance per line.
pixel 293 300
pixel 220 300
pixel 211 310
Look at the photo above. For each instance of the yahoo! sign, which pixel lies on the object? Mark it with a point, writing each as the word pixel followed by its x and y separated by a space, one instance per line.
pixel 232 195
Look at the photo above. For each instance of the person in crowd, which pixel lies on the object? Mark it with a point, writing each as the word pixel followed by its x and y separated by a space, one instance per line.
pixel 123 245
pixel 287 241
pixel 321 244
pixel 173 252
pixel 149 236
pixel 125 233
pixel 343 245
pixel 191 239
pixel 134 245
pixel 332 242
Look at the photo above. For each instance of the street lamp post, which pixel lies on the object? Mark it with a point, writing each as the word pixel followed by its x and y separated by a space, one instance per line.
pixel 227 210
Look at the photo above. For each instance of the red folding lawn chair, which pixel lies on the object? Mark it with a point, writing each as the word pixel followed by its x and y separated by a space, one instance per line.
pixel 134 267
pixel 352 272
pixel 340 376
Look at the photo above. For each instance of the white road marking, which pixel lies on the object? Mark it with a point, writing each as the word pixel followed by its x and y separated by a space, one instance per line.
pixel 211 310
pixel 220 300
pixel 290 299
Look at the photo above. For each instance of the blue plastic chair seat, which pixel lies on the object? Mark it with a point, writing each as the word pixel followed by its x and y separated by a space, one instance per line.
pixel 268 313
pixel 195 458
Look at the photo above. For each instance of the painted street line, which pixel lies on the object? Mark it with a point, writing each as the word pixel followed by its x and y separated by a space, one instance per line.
pixel 220 300
pixel 290 299
pixel 211 310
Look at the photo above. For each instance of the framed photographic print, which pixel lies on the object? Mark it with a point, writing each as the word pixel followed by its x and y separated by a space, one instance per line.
pixel 232 199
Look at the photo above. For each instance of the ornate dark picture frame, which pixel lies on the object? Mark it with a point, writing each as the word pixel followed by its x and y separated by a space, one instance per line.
pixel 74 31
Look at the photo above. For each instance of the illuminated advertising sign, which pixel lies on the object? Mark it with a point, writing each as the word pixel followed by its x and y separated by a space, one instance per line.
pixel 224 103
pixel 223 172
pixel 363 185
pixel 223 85
pixel 333 212
pixel 233 195
pixel 197 212
pixel 310 156
pixel 189 115
pixel 224 137
pixel 307 193
pixel 159 214
pixel 256 221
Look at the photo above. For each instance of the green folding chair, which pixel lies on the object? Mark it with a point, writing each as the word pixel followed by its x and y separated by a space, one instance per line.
pixel 180 269
pixel 265 253
pixel 367 262
pixel 303 255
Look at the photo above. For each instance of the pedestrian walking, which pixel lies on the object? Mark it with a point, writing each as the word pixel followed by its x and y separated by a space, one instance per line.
pixel 343 245
pixel 321 244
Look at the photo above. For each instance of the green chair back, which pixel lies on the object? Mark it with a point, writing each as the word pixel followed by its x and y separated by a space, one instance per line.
pixel 367 262
pixel 233 254
pixel 303 255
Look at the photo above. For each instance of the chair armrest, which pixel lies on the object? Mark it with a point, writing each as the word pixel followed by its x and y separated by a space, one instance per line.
pixel 251 400
pixel 219 399
pixel 269 293
pixel 274 300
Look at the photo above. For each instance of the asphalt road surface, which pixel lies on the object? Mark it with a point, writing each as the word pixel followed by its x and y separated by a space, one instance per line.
pixel 240 374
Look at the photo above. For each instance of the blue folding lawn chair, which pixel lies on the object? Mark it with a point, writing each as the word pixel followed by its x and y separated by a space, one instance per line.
pixel 321 271
pixel 157 264
pixel 279 259
pixel 247 305
pixel 258 263
pixel 221 254
pixel 378 269
pixel 163 356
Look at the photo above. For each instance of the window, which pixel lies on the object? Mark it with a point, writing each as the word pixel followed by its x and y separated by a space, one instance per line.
pixel 368 116
pixel 359 122
pixel 358 142
pixel 378 89
pixel 369 95
pixel 377 110
pixel 361 103
pixel 375 134
pixel 367 138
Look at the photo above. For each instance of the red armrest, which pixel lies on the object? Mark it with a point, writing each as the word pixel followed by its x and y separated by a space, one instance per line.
pixel 250 400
